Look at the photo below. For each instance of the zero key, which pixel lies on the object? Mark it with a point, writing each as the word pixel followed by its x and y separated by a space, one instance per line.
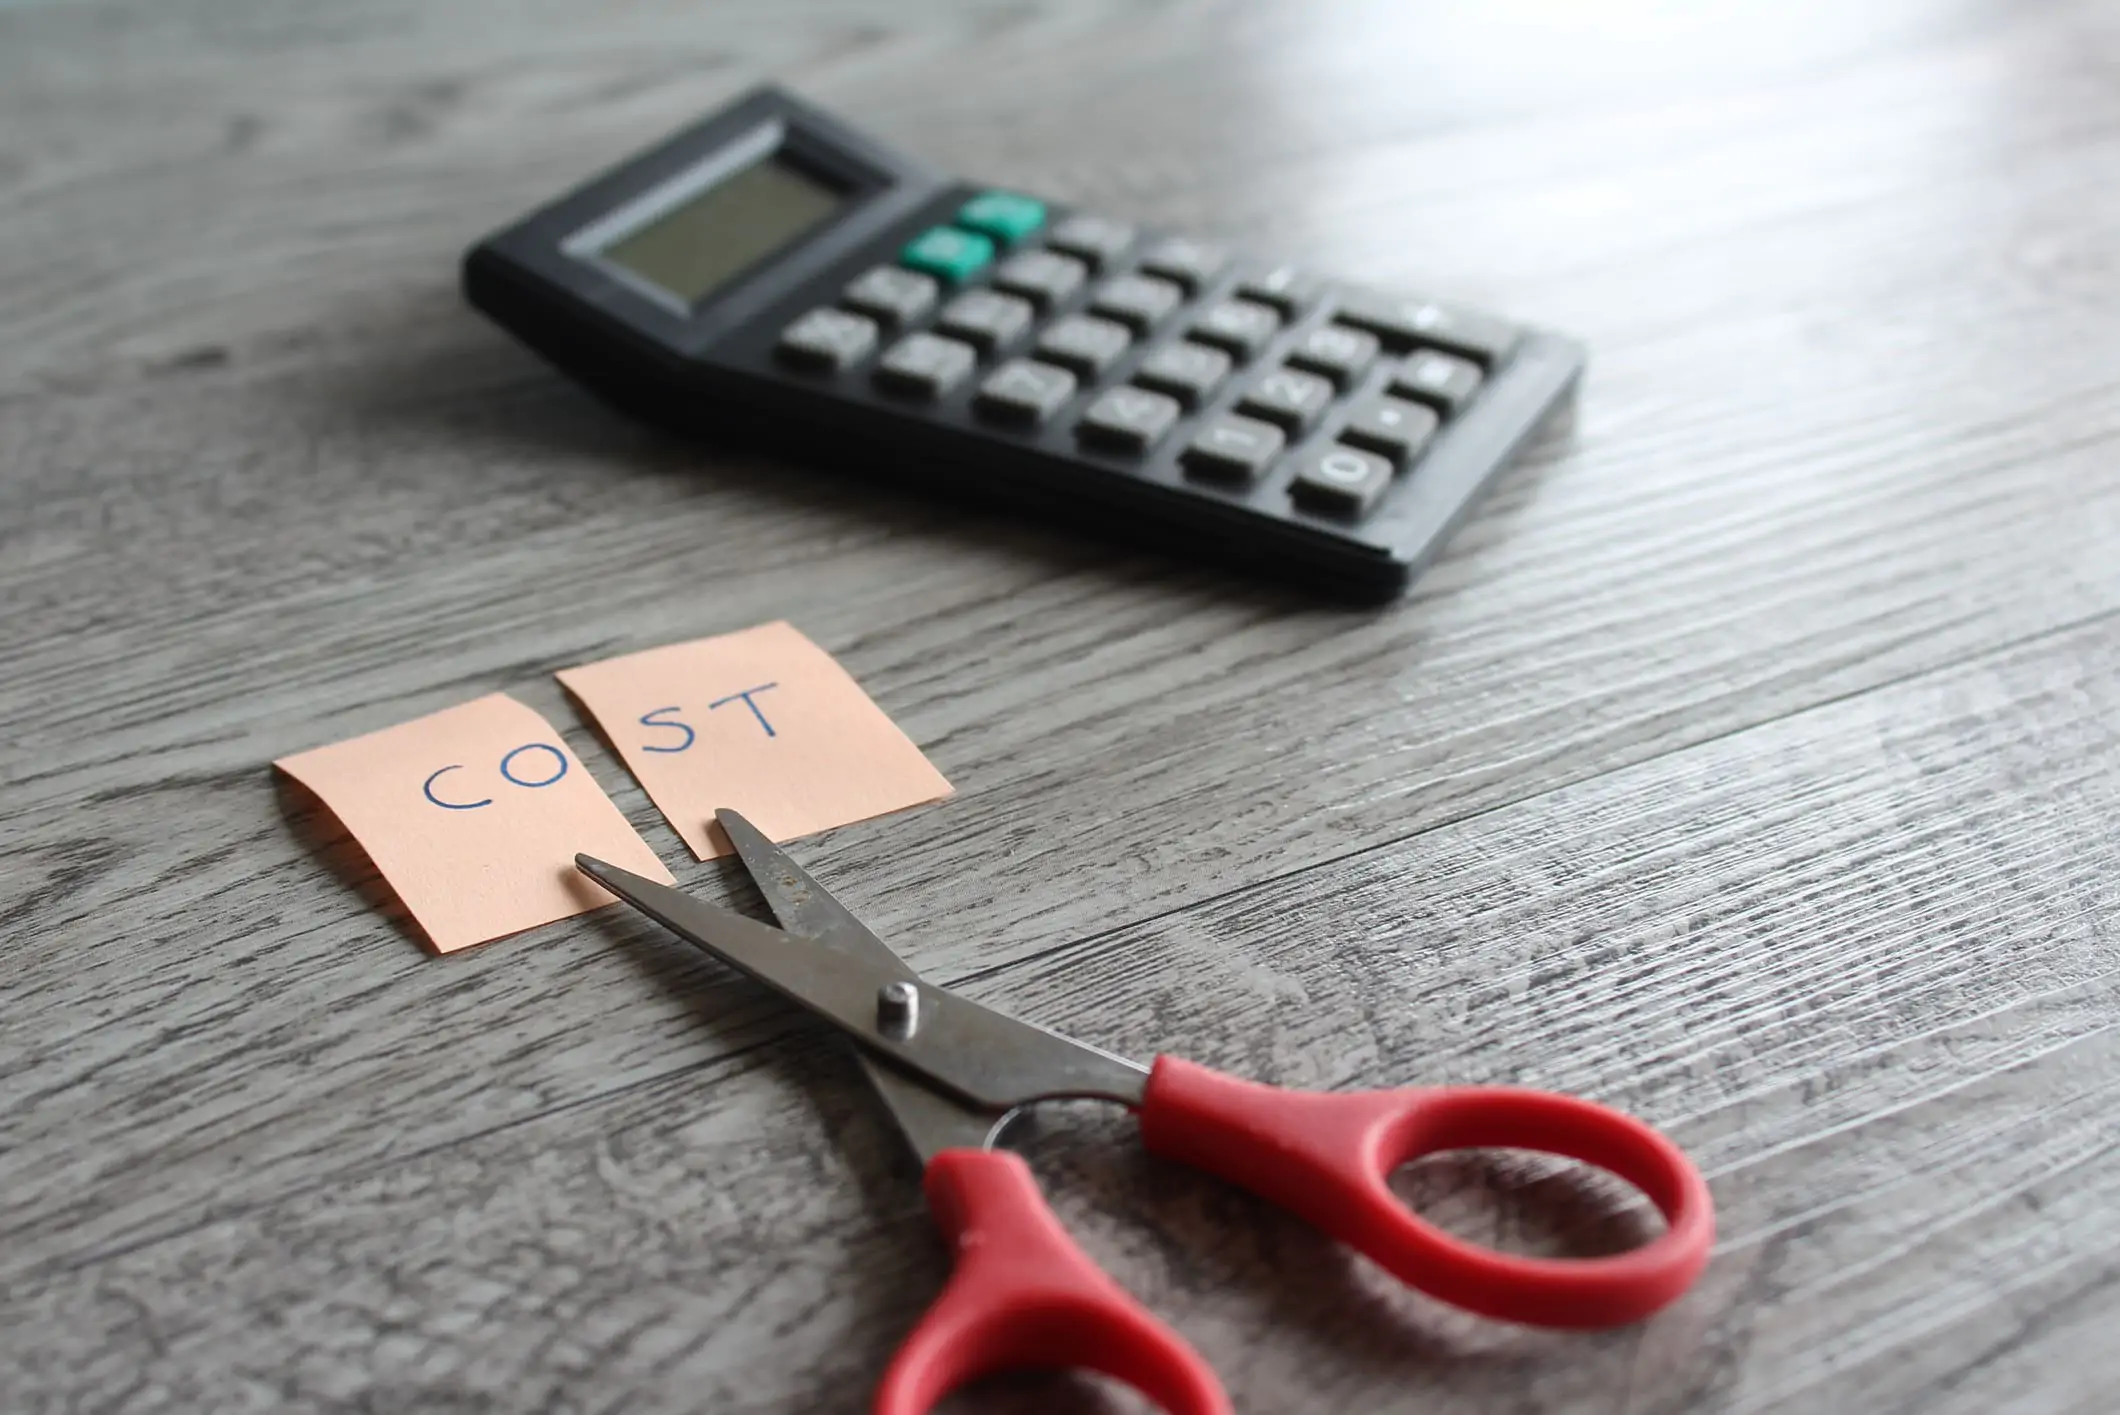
pixel 1340 481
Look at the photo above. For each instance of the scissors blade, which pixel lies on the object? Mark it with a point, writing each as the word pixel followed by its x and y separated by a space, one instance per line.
pixel 802 905
pixel 980 1055
pixel 931 1120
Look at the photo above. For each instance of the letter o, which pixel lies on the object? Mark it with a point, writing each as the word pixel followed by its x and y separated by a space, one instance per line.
pixel 557 756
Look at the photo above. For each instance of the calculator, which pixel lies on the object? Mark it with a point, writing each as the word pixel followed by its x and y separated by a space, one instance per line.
pixel 775 273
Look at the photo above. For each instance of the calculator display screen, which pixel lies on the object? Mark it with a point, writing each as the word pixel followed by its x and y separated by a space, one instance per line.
pixel 709 238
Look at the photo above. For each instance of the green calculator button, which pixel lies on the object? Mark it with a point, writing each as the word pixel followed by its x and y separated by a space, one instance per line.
pixel 1006 217
pixel 948 254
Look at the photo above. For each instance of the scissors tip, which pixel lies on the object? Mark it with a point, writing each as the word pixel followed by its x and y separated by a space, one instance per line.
pixel 590 866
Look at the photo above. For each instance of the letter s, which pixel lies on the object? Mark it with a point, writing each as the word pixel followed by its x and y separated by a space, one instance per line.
pixel 653 719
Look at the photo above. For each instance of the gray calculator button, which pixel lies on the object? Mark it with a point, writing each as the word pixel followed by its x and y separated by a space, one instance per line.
pixel 925 365
pixel 827 339
pixel 1130 419
pixel 1084 343
pixel 1442 381
pixel 1239 326
pixel 1408 324
pixel 1025 391
pixel 1234 449
pixel 1341 354
pixel 1394 430
pixel 985 318
pixel 1096 239
pixel 1286 287
pixel 1340 480
pixel 1188 372
pixel 892 294
pixel 1191 263
pixel 1289 397
pixel 1138 301
pixel 1042 277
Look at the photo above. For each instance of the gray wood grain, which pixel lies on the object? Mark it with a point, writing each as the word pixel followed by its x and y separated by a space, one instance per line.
pixel 1749 761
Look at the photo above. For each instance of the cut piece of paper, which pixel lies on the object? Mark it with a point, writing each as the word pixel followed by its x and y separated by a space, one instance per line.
pixel 762 720
pixel 473 815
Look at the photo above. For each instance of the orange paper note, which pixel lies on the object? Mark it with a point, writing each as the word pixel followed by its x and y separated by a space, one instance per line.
pixel 474 815
pixel 762 720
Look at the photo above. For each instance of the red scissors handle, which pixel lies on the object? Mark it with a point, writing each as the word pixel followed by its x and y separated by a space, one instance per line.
pixel 1023 1297
pixel 1326 1156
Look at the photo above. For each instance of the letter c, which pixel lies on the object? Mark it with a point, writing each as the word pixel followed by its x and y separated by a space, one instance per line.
pixel 427 790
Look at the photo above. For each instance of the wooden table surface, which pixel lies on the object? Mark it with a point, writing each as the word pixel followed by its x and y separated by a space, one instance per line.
pixel 1748 762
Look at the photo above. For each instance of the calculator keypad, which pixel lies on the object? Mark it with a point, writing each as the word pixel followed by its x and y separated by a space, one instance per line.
pixel 892 295
pixel 925 366
pixel 1443 381
pixel 1187 371
pixel 827 339
pixel 1406 324
pixel 1191 263
pixel 1239 326
pixel 1287 288
pixel 1347 390
pixel 948 254
pixel 1099 240
pixel 985 318
pixel 1396 431
pixel 1084 344
pixel 1234 449
pixel 1045 278
pixel 1340 481
pixel 1025 391
pixel 1341 354
pixel 1129 419
pixel 1141 302
pixel 1289 397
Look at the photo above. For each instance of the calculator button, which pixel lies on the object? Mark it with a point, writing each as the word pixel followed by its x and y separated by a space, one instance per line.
pixel 1341 354
pixel 1190 373
pixel 1043 277
pixel 1005 216
pixel 1340 480
pixel 1137 301
pixel 1083 343
pixel 1234 449
pixel 925 365
pixel 1237 325
pixel 1442 381
pixel 891 294
pixel 1096 239
pixel 1406 324
pixel 986 318
pixel 1394 430
pixel 1285 287
pixel 1130 419
pixel 1190 263
pixel 1025 391
pixel 827 340
pixel 1289 397
pixel 950 255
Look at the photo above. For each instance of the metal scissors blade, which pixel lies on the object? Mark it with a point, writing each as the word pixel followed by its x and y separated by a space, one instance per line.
pixel 982 1056
pixel 931 1120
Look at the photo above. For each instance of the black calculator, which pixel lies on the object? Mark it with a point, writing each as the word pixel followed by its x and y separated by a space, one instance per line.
pixel 772 271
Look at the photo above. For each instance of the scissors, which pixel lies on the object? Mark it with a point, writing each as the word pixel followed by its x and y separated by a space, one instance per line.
pixel 1021 1295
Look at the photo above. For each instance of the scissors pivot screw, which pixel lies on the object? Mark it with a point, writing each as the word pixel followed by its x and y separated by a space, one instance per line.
pixel 897 1009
